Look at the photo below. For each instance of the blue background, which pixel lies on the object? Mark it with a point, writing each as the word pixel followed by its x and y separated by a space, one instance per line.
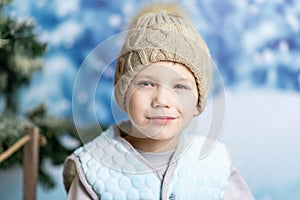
pixel 254 43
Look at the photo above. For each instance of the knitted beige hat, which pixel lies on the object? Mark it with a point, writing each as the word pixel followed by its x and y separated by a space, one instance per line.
pixel 163 33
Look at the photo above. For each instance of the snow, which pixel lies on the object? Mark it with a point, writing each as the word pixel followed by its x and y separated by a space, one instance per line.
pixel 115 21
pixel 66 32
pixel 293 22
pixel 63 8
pixel 262 132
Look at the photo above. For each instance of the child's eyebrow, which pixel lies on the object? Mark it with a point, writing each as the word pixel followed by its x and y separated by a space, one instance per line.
pixel 144 77
pixel 184 79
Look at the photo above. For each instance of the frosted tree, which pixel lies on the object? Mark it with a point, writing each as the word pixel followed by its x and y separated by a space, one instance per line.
pixel 20 58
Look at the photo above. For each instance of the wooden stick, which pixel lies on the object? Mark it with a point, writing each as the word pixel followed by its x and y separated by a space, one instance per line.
pixel 30 164
pixel 22 141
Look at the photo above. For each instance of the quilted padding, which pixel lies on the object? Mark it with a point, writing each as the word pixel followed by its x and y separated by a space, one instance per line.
pixel 116 171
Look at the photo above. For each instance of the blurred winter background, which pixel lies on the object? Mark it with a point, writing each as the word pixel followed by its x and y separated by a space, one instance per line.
pixel 255 44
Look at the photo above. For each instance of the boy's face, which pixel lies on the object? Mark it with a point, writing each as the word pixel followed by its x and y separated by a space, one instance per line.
pixel 161 101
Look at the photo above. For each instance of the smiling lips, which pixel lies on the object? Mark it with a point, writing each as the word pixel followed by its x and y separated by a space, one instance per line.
pixel 162 119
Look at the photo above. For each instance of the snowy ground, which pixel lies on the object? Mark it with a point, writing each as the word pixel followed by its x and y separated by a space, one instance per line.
pixel 262 131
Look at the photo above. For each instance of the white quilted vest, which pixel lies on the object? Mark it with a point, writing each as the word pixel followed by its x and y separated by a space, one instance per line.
pixel 114 170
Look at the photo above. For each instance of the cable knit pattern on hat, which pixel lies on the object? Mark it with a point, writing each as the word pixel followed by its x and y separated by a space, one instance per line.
pixel 163 33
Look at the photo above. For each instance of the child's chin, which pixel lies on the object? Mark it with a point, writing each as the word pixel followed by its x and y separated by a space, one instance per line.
pixel 163 136
pixel 157 132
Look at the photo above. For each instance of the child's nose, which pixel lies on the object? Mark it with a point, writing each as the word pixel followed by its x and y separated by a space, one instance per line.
pixel 162 97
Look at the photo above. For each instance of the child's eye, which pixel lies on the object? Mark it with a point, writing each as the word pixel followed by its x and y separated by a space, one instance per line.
pixel 146 83
pixel 180 86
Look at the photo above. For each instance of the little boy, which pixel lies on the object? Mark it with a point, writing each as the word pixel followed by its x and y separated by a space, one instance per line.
pixel 162 80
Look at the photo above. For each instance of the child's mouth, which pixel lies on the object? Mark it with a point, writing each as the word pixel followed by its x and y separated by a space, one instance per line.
pixel 162 119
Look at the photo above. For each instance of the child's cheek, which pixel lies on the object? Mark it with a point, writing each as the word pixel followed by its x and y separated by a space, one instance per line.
pixel 187 99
